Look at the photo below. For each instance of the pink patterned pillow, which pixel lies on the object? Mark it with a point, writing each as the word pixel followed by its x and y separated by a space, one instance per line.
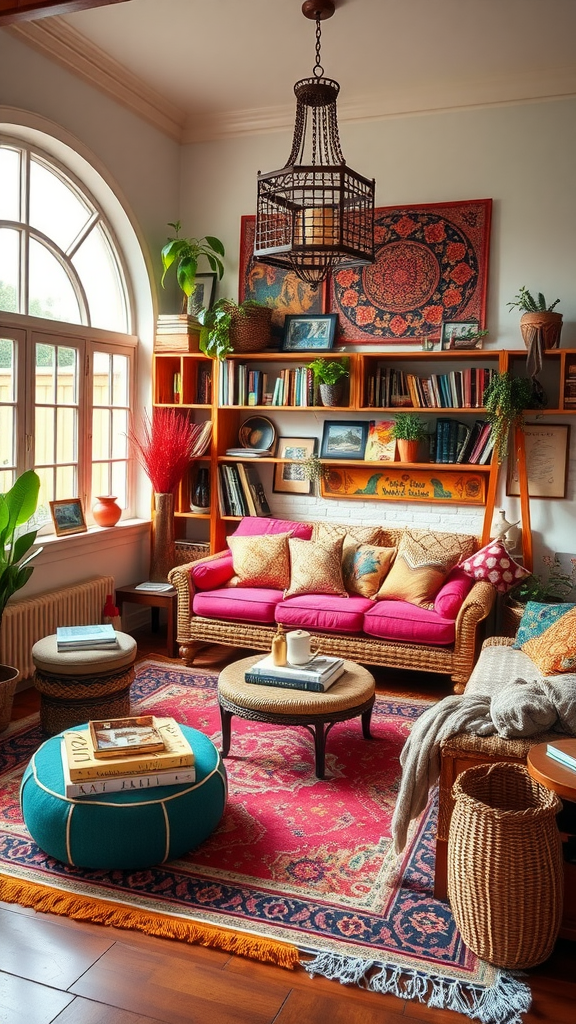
pixel 493 564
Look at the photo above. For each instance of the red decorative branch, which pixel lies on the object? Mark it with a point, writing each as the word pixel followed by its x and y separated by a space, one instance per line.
pixel 168 444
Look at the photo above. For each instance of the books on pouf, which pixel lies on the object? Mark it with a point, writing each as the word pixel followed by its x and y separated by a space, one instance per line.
pixel 100 636
pixel 318 675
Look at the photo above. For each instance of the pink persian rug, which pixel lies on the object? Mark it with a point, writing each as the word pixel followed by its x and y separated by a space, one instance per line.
pixel 296 863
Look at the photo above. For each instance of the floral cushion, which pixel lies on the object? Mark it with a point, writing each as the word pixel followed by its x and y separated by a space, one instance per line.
pixel 261 561
pixel 364 567
pixel 315 568
pixel 536 618
pixel 493 564
pixel 554 650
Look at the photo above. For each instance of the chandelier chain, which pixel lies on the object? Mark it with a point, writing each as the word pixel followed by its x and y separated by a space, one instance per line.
pixel 318 70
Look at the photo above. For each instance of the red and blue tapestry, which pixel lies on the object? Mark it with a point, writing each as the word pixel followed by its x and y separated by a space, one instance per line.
pixel 431 266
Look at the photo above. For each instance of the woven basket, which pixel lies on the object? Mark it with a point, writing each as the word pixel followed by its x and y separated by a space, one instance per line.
pixel 505 873
pixel 250 330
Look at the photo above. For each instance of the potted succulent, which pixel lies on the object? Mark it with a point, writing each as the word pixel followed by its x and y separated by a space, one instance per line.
pixel 184 254
pixel 16 507
pixel 505 400
pixel 229 326
pixel 329 375
pixel 538 319
pixel 408 429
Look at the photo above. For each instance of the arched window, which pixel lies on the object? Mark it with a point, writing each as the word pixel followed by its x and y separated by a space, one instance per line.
pixel 66 384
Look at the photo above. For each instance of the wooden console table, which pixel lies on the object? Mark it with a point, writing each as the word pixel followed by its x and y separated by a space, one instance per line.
pixel 155 600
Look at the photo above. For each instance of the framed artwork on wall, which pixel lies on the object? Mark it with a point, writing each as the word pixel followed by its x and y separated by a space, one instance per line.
pixel 68 516
pixel 546 447
pixel 289 477
pixel 431 265
pixel 202 295
pixel 344 439
pixel 313 332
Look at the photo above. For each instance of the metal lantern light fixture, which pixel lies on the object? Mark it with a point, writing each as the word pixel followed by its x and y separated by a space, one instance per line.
pixel 315 214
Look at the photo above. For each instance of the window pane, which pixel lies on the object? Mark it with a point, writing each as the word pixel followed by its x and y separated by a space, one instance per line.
pixel 99 274
pixel 45 373
pixel 119 430
pixel 119 483
pixel 46 487
pixel 7 376
pixel 55 209
pixel 66 485
pixel 101 434
pixel 6 480
pixel 101 374
pixel 120 380
pixel 44 436
pixel 10 178
pixel 67 376
pixel 66 420
pixel 9 261
pixel 100 481
pixel 50 293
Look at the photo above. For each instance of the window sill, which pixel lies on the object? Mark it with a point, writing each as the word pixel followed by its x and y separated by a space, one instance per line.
pixel 55 549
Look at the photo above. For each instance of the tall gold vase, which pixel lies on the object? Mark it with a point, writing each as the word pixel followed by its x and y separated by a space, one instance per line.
pixel 162 554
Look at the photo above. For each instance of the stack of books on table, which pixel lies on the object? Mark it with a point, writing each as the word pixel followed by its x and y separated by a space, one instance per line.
pixel 317 675
pixel 126 754
pixel 86 638
pixel 563 757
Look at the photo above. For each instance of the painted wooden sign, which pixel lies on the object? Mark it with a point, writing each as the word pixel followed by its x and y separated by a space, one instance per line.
pixel 403 484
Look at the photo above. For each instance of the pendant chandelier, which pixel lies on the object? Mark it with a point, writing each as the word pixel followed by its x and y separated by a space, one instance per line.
pixel 315 214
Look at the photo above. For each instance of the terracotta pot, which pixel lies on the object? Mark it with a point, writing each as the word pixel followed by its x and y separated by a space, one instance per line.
pixel 547 325
pixel 408 450
pixel 8 679
pixel 106 511
pixel 163 556
pixel 330 394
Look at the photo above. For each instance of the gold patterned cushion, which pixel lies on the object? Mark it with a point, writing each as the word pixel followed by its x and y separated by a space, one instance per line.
pixel 423 561
pixel 315 568
pixel 364 567
pixel 327 533
pixel 554 651
pixel 261 561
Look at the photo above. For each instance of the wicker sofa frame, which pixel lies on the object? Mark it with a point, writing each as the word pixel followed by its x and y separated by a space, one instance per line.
pixel 456 660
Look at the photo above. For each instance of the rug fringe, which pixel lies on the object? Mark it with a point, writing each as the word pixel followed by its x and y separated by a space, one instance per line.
pixel 86 908
pixel 501 1003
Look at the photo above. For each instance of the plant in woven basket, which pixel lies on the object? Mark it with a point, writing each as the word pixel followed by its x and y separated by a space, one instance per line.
pixel 219 322
pixel 185 254
pixel 505 400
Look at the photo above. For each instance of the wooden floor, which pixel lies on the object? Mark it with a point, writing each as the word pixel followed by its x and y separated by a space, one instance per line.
pixel 56 970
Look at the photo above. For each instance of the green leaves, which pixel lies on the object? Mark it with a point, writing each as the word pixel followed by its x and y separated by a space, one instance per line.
pixel 16 507
pixel 328 371
pixel 505 400
pixel 186 253
pixel 408 427
pixel 528 304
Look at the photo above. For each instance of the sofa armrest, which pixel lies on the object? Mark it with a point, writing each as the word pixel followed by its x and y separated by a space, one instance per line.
pixel 181 579
pixel 476 607
pixel 498 641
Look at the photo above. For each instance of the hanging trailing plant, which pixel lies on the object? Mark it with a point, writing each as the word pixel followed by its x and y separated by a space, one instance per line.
pixel 505 400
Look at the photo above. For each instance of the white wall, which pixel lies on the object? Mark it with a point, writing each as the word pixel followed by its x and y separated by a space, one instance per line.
pixel 523 157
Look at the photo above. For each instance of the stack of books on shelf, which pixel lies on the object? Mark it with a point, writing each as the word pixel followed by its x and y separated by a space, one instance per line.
pixel 318 675
pixel 240 384
pixel 456 442
pixel 176 332
pixel 570 386
pixel 457 389
pixel 86 638
pixel 240 491
pixel 126 754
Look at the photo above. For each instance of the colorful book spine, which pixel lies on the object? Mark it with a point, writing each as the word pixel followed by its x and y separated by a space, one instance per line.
pixel 562 756
pixel 84 766
pixel 316 686
pixel 124 783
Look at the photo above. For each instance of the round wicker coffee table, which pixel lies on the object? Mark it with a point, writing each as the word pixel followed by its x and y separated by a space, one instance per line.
pixel 351 696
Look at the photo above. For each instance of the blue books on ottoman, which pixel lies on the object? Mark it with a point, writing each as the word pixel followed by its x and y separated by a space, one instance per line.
pixel 86 638
pixel 318 675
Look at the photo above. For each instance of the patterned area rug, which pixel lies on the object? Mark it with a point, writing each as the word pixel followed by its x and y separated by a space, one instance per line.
pixel 299 870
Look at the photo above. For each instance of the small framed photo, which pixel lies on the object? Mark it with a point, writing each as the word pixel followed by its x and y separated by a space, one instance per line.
pixel 311 333
pixel 344 439
pixel 68 516
pixel 462 334
pixel 289 477
pixel 202 295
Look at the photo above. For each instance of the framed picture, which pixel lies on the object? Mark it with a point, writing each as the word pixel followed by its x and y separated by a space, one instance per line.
pixel 344 440
pixel 289 477
pixel 460 334
pixel 546 447
pixel 67 516
pixel 202 296
pixel 314 332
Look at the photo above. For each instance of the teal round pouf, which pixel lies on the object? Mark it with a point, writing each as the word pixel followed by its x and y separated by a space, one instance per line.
pixel 130 830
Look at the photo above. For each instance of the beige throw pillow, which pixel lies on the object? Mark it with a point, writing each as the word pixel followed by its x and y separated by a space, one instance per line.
pixel 261 561
pixel 424 560
pixel 327 533
pixel 315 568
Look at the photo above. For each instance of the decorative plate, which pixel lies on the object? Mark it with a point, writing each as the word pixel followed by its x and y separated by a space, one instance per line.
pixel 258 433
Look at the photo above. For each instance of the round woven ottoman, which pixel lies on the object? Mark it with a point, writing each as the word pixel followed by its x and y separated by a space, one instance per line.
pixel 76 686
pixel 351 696
pixel 131 830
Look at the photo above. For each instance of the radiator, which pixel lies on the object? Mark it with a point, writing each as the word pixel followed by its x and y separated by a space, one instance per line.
pixel 26 621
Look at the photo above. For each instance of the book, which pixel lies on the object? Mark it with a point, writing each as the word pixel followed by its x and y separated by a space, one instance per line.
pixel 84 766
pixel 257 491
pixel 380 445
pixel 154 588
pixel 562 756
pixel 80 638
pixel 124 783
pixel 316 669
pixel 247 491
pixel 120 736
pixel 295 683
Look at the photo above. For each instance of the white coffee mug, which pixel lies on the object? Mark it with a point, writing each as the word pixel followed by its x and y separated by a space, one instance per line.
pixel 299 650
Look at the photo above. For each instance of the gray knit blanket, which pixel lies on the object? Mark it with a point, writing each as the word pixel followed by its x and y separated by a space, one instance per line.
pixel 505 695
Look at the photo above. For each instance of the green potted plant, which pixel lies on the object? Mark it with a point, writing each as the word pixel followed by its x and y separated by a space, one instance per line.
pixel 16 507
pixel 229 326
pixel 185 253
pixel 505 400
pixel 538 318
pixel 408 429
pixel 329 376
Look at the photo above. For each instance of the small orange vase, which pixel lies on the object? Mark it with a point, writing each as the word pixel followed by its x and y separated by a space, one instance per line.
pixel 408 450
pixel 106 511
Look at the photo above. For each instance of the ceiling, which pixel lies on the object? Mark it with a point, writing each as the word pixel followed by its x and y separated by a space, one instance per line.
pixel 203 69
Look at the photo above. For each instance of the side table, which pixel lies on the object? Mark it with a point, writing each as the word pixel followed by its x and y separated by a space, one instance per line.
pixel 550 773
pixel 155 600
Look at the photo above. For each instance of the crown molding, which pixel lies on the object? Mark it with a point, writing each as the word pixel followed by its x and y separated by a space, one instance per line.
pixel 56 39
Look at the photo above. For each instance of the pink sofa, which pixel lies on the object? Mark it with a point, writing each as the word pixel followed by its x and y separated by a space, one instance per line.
pixel 443 639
